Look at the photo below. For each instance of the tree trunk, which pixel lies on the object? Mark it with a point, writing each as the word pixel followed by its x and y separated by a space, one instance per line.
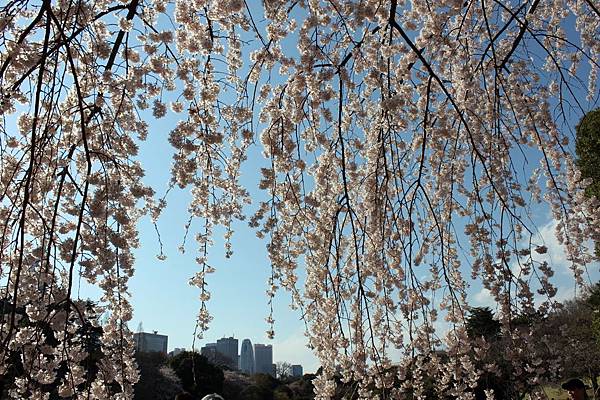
pixel 593 374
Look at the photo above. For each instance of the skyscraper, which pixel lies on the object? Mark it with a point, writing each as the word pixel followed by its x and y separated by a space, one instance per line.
pixel 247 357
pixel 263 359
pixel 228 347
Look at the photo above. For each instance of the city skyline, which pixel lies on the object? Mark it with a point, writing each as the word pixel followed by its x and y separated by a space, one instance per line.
pixel 263 359
pixel 247 357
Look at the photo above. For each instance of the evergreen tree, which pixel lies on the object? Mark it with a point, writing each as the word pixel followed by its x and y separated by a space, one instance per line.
pixel 587 148
pixel 481 322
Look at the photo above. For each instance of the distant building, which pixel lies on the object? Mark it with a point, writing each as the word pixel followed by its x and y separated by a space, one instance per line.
pixel 263 359
pixel 150 342
pixel 297 370
pixel 247 357
pixel 176 351
pixel 228 347
pixel 209 351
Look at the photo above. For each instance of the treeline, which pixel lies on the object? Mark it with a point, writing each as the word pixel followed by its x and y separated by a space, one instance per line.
pixel 162 378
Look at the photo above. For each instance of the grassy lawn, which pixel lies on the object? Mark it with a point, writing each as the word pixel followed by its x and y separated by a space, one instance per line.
pixel 555 392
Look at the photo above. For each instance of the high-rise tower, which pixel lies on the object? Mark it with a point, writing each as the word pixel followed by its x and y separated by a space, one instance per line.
pixel 263 359
pixel 247 357
pixel 228 347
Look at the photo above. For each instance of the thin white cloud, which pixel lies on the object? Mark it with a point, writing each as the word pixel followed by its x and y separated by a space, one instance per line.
pixel 293 350
pixel 556 257
pixel 484 298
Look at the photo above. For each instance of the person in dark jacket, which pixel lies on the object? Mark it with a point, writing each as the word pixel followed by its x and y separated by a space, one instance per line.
pixel 576 389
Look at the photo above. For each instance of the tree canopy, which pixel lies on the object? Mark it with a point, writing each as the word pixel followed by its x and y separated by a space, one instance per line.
pixel 407 146
pixel 588 150
pixel 588 153
pixel 481 323
pixel 197 375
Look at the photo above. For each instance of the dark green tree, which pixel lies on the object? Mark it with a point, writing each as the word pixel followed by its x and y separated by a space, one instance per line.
pixel 593 296
pixel 197 375
pixel 593 301
pixel 303 387
pixel 587 148
pixel 481 322
pixel 157 380
pixel 574 339
pixel 253 392
pixel 266 385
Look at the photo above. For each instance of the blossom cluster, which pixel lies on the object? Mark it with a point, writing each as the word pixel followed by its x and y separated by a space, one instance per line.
pixel 401 142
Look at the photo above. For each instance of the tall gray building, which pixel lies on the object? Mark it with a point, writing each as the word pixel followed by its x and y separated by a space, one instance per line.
pixel 146 342
pixel 247 357
pixel 263 359
pixel 228 347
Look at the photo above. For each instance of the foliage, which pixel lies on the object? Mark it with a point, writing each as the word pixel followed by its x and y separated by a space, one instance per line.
pixel 266 385
pixel 238 386
pixel 197 375
pixel 254 392
pixel 596 327
pixel 283 393
pixel 481 323
pixel 593 300
pixel 401 143
pixel 261 386
pixel 592 296
pixel 220 360
pixel 573 342
pixel 512 363
pixel 303 388
pixel 157 380
pixel 587 148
